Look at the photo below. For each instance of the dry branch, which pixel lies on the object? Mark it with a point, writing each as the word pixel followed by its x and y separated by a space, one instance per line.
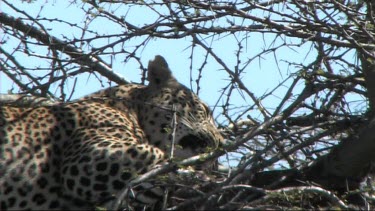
pixel 93 62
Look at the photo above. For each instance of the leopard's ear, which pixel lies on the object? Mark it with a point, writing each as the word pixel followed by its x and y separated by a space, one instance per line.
pixel 159 73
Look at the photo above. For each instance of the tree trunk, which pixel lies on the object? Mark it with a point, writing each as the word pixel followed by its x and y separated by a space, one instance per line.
pixel 347 164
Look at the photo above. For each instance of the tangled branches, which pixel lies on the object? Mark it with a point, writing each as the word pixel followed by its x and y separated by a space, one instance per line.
pixel 310 126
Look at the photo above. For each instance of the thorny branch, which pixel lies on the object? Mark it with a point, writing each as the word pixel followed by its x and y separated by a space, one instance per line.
pixel 319 101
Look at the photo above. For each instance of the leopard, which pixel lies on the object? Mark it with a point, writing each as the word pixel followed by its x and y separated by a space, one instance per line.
pixel 77 154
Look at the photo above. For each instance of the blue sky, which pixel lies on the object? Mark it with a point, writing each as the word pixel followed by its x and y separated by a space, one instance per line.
pixel 262 75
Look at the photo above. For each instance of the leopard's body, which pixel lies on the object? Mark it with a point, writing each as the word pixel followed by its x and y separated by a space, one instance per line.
pixel 80 153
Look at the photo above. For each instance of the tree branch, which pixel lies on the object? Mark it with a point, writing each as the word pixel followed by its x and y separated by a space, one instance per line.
pixel 91 61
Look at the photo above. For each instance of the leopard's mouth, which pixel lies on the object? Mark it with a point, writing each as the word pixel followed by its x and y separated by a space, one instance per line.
pixel 194 143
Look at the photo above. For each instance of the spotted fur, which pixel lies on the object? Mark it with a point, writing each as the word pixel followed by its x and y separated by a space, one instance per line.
pixel 80 153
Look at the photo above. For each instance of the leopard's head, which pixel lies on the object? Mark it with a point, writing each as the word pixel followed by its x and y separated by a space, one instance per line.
pixel 174 114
